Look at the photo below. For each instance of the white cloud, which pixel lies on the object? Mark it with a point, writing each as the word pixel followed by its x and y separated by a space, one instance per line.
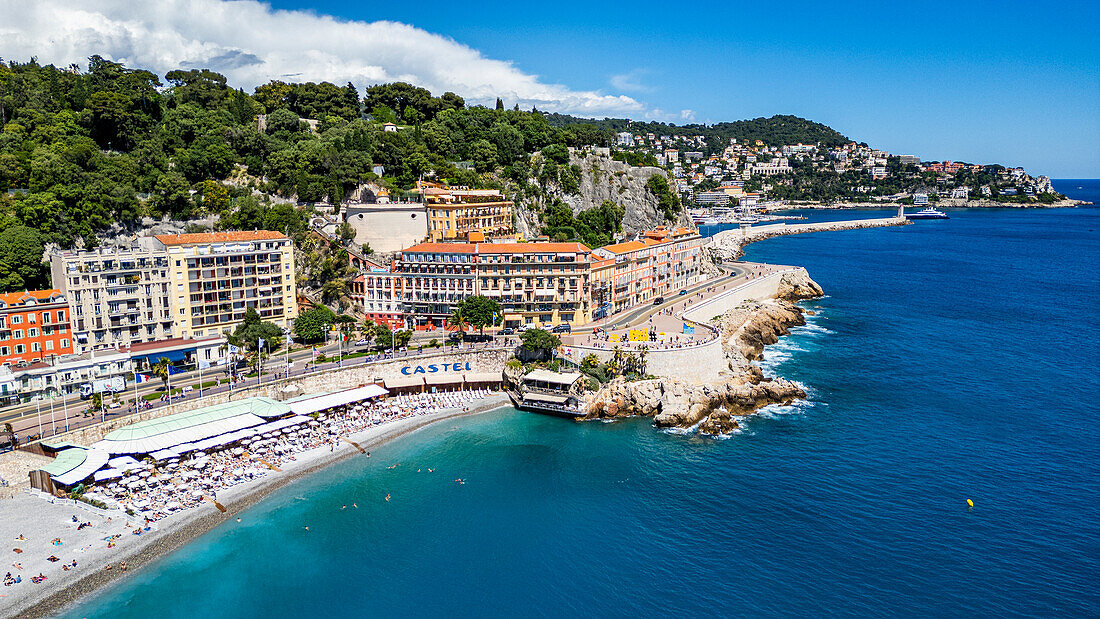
pixel 687 115
pixel 251 43
pixel 630 81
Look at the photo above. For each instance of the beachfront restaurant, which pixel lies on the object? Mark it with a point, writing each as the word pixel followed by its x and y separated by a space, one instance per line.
pixel 167 439
pixel 554 393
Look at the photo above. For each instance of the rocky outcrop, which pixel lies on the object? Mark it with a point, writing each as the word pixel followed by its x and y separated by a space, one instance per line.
pixel 603 178
pixel 715 408
pixel 675 404
pixel 797 286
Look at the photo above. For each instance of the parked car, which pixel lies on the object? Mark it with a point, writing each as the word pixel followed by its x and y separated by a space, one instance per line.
pixel 684 291
pixel 507 331
pixel 562 328
pixel 363 342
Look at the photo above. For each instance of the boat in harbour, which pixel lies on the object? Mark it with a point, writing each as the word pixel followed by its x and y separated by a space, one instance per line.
pixel 928 213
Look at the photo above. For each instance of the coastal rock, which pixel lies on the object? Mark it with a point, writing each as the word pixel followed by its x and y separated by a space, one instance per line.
pixel 674 403
pixel 797 286
pixel 747 329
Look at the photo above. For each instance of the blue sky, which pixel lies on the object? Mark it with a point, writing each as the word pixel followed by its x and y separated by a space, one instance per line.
pixel 1008 82
pixel 1015 83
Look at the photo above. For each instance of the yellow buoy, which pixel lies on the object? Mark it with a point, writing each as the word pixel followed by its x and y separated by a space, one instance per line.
pixel 970 503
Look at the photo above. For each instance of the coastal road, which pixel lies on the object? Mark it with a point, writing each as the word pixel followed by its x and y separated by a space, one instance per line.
pixel 27 424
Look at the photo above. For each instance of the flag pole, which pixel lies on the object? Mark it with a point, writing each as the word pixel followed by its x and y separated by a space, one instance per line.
pixel 65 406
pixel 38 405
pixel 53 422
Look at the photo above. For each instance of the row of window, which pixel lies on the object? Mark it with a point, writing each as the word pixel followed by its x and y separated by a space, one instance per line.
pixel 35 347
pixel 32 318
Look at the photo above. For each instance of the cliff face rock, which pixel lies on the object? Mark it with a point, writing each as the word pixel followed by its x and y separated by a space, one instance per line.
pixel 603 178
pixel 675 404
pixel 747 329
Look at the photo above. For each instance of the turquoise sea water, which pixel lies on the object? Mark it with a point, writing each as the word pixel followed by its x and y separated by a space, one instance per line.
pixel 950 360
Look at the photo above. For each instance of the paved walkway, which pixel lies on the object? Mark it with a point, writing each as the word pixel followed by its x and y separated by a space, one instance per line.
pixel 664 320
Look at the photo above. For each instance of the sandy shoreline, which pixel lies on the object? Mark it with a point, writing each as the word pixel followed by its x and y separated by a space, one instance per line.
pixel 58 594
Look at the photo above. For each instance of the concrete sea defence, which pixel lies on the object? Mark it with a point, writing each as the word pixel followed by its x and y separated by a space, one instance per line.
pixel 729 244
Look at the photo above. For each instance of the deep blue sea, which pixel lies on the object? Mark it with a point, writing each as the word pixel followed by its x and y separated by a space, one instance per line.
pixel 950 360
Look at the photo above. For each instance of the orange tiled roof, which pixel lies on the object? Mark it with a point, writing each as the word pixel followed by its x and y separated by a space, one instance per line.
pixel 530 248
pixel 219 237
pixel 446 248
pixel 622 248
pixel 17 298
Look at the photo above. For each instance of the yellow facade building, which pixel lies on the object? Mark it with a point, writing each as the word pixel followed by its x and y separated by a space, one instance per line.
pixel 213 278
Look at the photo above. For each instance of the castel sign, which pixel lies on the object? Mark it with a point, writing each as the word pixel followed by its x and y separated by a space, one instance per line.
pixel 433 368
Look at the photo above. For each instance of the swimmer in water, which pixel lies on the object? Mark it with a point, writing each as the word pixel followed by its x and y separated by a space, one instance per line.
pixel 344 507
pixel 387 497
pixel 238 519
pixel 306 527
pixel 355 505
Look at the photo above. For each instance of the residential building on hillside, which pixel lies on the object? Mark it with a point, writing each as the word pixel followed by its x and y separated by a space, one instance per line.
pixel 456 212
pixel 116 296
pixel 215 277
pixel 34 326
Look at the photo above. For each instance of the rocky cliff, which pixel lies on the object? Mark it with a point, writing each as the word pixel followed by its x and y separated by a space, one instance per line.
pixel 714 409
pixel 601 178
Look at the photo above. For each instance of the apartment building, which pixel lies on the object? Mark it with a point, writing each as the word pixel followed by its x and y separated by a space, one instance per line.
pixel 116 296
pixel 455 213
pixel 214 277
pixel 661 262
pixel 34 326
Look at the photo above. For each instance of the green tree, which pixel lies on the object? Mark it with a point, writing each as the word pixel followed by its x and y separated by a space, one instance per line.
pixel 479 311
pixel 311 326
pixel 539 340
pixel 21 266
pixel 162 369
pixel 252 329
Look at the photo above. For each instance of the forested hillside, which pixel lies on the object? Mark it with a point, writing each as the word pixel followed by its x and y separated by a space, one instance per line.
pixel 775 131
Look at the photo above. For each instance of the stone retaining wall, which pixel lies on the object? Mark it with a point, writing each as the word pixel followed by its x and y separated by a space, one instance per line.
pixel 760 288
pixel 326 381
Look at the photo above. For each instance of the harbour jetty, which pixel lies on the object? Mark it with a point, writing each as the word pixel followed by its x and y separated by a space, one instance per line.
pixel 729 244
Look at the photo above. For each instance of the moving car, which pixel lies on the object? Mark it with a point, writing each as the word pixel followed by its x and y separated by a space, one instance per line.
pixel 562 328
pixel 658 300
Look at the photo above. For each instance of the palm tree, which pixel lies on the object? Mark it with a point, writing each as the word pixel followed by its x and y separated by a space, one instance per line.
pixel 97 402
pixel 160 369
pixel 458 319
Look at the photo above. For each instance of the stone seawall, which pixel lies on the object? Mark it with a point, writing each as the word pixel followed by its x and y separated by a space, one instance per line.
pixel 704 363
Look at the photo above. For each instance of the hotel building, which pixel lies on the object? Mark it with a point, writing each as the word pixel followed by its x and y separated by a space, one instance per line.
pixel 454 213
pixel 543 283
